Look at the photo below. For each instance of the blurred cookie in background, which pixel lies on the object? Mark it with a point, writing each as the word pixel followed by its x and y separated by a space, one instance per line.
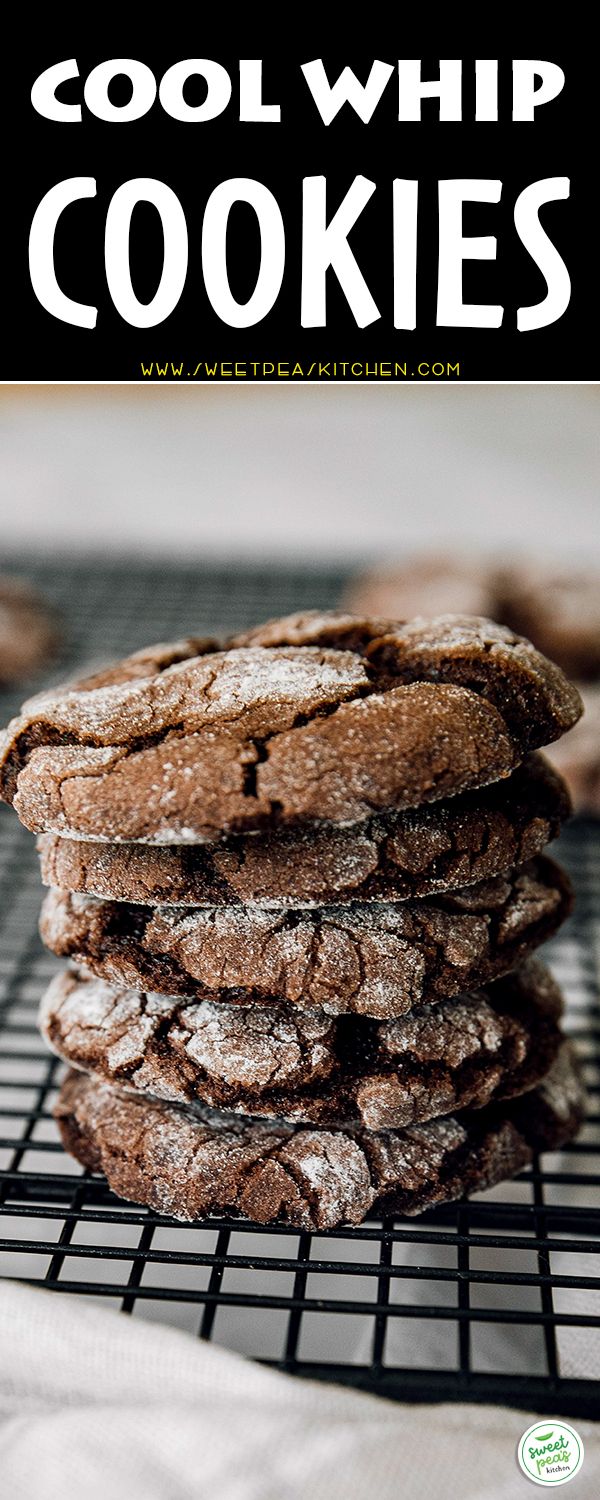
pixel 556 607
pixel 577 756
pixel 425 584
pixel 29 633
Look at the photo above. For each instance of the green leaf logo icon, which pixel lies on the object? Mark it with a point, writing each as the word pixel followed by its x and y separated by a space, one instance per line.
pixel 543 1437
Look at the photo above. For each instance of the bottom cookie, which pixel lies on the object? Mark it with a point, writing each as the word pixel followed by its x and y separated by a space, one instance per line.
pixel 192 1163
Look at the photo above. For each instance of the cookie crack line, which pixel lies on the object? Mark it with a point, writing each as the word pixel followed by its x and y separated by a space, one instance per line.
pixel 383 962
pixel 284 868
pixel 339 1102
pixel 308 1195
pixel 45 733
pixel 457 1163
pixel 310 792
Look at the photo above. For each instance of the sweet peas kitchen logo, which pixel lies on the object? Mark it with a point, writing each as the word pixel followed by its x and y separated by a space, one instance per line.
pixel 550 1453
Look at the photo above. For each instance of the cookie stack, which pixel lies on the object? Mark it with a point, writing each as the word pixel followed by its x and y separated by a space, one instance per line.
pixel 300 880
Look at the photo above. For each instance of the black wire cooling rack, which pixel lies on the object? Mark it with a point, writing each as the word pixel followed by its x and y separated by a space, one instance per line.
pixel 493 1299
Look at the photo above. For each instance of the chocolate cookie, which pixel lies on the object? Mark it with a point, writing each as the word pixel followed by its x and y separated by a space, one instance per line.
pixel 315 718
pixel 296 1065
pixel 28 630
pixel 386 858
pixel 377 961
pixel 190 1164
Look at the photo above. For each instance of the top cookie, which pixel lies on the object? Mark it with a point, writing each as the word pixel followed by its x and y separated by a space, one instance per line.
pixel 311 718
pixel 427 583
pixel 388 857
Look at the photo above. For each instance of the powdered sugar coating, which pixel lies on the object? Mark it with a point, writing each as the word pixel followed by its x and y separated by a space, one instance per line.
pixel 351 717
pixel 390 856
pixel 274 1061
pixel 379 960
pixel 189 1165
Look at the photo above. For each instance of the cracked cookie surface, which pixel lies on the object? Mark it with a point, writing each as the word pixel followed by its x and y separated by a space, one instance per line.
pixel 377 960
pixel 309 719
pixel 271 1061
pixel 190 1164
pixel 390 856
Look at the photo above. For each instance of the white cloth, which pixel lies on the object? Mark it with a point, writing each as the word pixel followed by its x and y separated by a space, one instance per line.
pixel 93 1405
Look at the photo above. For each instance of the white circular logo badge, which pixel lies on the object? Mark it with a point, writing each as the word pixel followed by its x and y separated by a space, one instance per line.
pixel 550 1452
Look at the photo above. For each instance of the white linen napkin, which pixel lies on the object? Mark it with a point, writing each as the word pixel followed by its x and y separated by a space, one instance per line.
pixel 94 1405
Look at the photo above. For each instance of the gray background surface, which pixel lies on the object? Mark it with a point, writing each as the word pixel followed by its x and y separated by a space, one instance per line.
pixel 283 472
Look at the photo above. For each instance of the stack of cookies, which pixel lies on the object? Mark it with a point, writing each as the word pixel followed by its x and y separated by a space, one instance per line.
pixel 300 879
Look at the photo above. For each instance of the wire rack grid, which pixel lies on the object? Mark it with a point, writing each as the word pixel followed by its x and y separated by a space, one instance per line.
pixel 492 1299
